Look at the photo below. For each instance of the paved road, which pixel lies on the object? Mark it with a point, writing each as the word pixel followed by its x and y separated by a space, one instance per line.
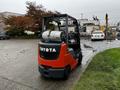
pixel 102 45
pixel 19 71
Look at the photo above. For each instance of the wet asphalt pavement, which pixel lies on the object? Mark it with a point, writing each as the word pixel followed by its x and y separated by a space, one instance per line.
pixel 19 68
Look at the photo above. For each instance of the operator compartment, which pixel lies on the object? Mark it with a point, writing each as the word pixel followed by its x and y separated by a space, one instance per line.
pixel 53 35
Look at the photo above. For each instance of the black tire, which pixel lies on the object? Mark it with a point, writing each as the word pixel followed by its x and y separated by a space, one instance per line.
pixel 43 77
pixel 67 72
pixel 1 38
pixel 92 39
pixel 80 59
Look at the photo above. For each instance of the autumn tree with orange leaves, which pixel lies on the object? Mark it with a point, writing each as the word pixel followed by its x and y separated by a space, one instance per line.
pixel 37 12
pixel 20 22
pixel 31 21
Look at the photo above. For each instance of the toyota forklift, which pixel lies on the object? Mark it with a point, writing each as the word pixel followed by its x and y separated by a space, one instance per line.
pixel 59 50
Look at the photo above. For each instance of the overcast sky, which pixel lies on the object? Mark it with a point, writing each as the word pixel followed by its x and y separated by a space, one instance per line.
pixel 89 8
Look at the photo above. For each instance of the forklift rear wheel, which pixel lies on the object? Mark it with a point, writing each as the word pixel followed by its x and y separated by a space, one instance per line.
pixel 67 72
pixel 80 59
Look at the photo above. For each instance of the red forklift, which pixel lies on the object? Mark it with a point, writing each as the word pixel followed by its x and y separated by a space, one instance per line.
pixel 59 50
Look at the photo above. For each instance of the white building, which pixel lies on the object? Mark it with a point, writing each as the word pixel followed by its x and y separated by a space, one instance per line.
pixel 89 26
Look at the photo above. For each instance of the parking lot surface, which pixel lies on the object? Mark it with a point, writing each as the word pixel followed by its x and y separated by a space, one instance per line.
pixel 19 68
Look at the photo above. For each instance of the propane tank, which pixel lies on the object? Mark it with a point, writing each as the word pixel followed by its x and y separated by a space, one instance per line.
pixel 53 35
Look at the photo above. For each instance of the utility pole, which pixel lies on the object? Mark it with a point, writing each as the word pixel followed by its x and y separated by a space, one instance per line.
pixel 81 15
pixel 106 29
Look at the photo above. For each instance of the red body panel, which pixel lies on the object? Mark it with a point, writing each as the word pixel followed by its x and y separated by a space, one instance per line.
pixel 65 58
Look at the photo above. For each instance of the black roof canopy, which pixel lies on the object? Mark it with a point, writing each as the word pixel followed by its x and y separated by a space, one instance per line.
pixel 60 15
